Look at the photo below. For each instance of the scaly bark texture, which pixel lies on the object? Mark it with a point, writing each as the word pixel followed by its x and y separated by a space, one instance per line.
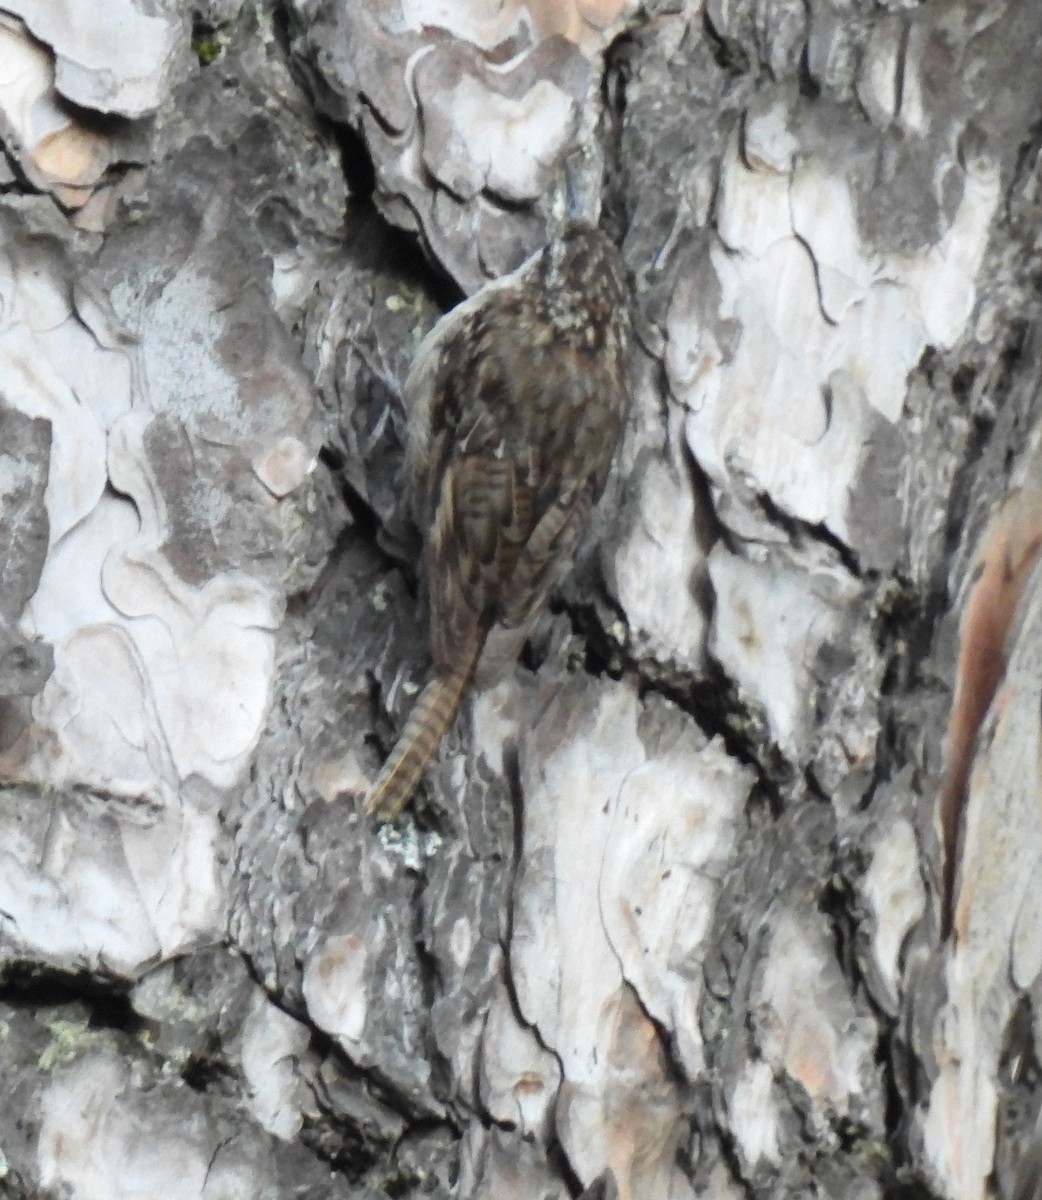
pixel 724 880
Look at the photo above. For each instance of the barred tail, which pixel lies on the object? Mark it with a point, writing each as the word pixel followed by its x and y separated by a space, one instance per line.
pixel 431 716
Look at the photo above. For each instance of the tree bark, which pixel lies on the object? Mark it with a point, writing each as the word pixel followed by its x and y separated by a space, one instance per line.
pixel 732 886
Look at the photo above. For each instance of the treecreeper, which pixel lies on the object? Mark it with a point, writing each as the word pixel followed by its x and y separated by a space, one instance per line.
pixel 516 403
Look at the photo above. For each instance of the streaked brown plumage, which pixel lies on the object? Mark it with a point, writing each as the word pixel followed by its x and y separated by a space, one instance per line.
pixel 517 400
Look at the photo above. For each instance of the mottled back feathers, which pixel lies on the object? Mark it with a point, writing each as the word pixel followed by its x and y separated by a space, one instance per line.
pixel 517 402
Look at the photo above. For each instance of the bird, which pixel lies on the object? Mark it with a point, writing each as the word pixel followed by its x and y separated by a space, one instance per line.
pixel 516 403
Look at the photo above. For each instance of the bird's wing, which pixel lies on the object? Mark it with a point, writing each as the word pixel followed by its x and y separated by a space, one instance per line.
pixel 545 557
pixel 482 521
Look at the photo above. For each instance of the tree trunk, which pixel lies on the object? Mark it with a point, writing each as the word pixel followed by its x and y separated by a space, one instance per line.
pixel 732 886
